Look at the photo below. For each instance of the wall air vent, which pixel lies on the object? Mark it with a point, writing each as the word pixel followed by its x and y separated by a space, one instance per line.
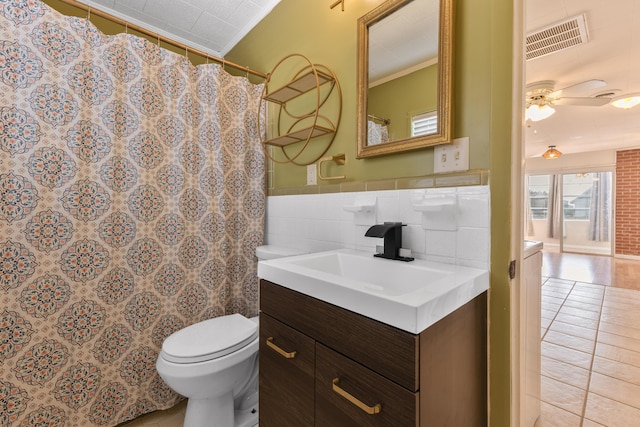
pixel 557 37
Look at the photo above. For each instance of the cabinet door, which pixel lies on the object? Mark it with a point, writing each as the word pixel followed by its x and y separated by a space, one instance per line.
pixel 286 378
pixel 346 393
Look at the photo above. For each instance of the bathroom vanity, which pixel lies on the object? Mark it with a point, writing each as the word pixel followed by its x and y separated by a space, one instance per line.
pixel 324 365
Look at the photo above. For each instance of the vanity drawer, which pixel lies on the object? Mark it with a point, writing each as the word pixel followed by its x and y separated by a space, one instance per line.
pixel 286 379
pixel 360 338
pixel 337 375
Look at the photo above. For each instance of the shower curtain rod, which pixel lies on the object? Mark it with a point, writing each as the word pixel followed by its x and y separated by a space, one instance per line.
pixel 90 10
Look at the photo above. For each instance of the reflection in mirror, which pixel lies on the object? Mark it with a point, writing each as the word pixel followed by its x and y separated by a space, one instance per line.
pixel 404 76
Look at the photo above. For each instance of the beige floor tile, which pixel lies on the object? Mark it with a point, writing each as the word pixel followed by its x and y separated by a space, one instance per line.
pixel 610 413
pixel 577 320
pixel 558 281
pixel 622 319
pixel 562 395
pixel 564 372
pixel 571 341
pixel 548 314
pixel 619 341
pixel 589 290
pixel 576 331
pixel 555 293
pixel 545 323
pixel 585 299
pixel 598 295
pixel 615 389
pixel 620 354
pixel 623 331
pixel 583 305
pixel 580 313
pixel 623 307
pixel 551 306
pixel 552 416
pixel 565 354
pixel 590 286
pixel 618 370
pixel 589 423
pixel 620 302
pixel 551 299
pixel 627 294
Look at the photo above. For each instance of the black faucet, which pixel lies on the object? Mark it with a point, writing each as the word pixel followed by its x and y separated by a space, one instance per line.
pixel 392 234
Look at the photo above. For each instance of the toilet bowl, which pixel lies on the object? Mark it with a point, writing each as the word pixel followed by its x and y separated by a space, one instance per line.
pixel 214 364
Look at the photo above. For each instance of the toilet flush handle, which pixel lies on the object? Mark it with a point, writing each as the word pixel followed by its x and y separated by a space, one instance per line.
pixel 281 352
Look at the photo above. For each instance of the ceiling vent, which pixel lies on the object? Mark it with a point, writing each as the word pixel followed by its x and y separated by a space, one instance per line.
pixel 557 37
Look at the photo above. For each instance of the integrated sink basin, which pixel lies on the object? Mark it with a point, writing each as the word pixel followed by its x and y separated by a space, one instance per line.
pixel 410 296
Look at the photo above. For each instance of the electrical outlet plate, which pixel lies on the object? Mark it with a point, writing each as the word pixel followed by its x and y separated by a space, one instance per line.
pixel 312 174
pixel 452 157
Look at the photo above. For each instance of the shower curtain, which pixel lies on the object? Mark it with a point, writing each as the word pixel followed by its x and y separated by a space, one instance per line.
pixel 131 203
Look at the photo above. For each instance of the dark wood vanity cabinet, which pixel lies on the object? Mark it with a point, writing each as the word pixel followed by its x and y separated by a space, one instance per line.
pixel 350 370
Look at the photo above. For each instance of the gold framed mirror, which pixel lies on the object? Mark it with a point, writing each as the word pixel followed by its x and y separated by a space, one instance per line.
pixel 405 66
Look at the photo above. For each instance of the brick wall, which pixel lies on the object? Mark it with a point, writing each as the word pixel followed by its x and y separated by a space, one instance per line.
pixel 628 203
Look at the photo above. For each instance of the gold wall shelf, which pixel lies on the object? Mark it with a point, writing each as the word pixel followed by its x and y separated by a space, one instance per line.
pixel 302 126
pixel 299 135
pixel 297 87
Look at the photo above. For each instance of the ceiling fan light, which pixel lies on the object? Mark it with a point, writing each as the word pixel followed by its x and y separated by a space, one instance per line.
pixel 536 112
pixel 626 101
pixel 552 153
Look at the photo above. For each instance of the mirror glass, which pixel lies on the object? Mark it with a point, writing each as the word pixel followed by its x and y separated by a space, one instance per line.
pixel 404 76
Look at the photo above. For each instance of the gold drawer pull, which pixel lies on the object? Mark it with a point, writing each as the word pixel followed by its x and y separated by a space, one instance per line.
pixel 368 409
pixel 281 352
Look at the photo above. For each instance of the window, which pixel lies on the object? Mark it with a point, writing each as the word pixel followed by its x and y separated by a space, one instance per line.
pixel 539 196
pixel 424 124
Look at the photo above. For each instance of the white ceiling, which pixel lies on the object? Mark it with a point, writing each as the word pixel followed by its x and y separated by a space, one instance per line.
pixel 212 26
pixel 612 55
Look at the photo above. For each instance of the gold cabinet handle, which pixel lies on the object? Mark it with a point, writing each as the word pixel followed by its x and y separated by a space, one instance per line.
pixel 281 352
pixel 371 410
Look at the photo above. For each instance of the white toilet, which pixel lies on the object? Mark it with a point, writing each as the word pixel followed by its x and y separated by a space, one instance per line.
pixel 215 365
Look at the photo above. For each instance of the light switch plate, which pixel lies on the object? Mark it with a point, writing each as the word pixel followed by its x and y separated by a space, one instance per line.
pixel 452 157
pixel 312 174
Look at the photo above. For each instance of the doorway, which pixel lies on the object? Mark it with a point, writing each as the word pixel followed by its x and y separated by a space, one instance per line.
pixel 571 212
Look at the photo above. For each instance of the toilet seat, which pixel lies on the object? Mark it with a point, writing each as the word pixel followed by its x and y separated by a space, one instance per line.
pixel 210 339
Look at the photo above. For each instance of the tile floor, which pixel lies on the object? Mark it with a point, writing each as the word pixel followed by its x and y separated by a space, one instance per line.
pixel 590 355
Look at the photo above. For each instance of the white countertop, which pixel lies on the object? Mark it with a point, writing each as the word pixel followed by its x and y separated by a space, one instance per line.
pixel 410 296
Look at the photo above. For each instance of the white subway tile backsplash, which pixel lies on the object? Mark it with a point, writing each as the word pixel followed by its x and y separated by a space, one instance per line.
pixel 408 215
pixel 473 244
pixel 473 210
pixel 319 222
pixel 441 243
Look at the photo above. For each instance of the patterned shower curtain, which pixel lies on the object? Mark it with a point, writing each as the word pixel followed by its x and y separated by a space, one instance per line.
pixel 131 202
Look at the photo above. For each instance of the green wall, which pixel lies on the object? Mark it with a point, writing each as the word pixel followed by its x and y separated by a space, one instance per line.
pixel 401 98
pixel 482 111
pixel 329 37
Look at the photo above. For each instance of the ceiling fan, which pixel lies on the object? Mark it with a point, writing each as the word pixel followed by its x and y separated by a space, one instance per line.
pixel 542 96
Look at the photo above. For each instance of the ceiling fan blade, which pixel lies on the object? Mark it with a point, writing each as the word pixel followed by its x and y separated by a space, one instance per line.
pixel 578 89
pixel 587 102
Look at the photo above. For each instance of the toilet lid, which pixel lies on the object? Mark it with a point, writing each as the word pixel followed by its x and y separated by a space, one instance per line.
pixel 210 339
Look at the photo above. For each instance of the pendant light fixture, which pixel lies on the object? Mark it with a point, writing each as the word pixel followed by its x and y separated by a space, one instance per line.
pixel 552 153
